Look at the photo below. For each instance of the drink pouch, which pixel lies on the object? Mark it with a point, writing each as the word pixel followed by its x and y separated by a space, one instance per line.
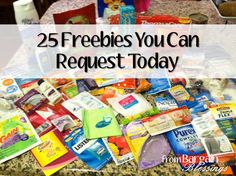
pixel 228 126
pixel 130 104
pixel 166 103
pixel 143 86
pixel 186 144
pixel 85 15
pixel 93 152
pixel 167 121
pixel 31 101
pixel 223 111
pixel 144 147
pixel 119 149
pixel 128 83
pixel 112 5
pixel 182 96
pixel 99 123
pixel 159 85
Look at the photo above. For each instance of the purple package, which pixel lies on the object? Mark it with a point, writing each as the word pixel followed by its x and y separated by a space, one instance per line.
pixel 31 101
pixel 153 151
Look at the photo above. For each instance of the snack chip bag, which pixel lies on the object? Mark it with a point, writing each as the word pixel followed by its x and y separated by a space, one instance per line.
pixel 85 15
pixel 93 152
pixel 144 147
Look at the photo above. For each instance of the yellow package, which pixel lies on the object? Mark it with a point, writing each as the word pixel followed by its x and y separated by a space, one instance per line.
pixel 50 150
pixel 224 111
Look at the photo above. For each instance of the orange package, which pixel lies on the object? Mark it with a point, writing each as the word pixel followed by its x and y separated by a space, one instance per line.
pixel 129 83
pixel 162 19
pixel 143 86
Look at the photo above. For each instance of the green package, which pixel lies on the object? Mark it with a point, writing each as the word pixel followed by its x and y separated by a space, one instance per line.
pixel 99 123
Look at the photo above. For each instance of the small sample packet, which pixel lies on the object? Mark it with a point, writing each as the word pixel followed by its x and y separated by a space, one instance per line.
pixel 167 121
pixel 17 136
pixel 91 84
pixel 127 15
pixel 119 149
pixel 129 83
pixel 223 111
pixel 182 96
pixel 143 86
pixel 93 152
pixel 159 85
pixel 50 149
pixel 144 147
pixel 186 144
pixel 166 103
pixel 82 101
pixel 63 123
pixel 106 82
pixel 85 15
pixel 27 84
pixel 9 87
pixel 99 123
pixel 57 83
pixel 31 101
pixel 149 113
pixel 111 92
pixel 82 87
pixel 112 5
pixel 228 126
pixel 212 138
pixel 70 90
pixel 130 104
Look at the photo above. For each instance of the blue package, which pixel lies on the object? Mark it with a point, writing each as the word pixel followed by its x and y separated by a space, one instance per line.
pixel 112 4
pixel 204 100
pixel 165 103
pixel 82 86
pixel 186 144
pixel 159 85
pixel 93 152
pixel 127 15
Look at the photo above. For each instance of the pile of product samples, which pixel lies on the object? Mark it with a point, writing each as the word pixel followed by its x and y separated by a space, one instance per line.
pixel 99 120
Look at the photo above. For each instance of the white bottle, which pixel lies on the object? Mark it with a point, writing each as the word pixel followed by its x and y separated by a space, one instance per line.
pixel 25 12
pixel 49 91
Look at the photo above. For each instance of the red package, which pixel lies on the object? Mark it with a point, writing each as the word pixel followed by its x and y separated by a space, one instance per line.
pixel 115 19
pixel 85 15
pixel 129 83
pixel 161 19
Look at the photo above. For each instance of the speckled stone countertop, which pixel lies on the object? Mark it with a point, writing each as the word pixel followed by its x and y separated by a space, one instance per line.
pixel 27 165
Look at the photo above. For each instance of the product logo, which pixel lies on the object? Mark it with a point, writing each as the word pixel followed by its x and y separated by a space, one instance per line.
pixel 182 133
pixel 7 82
pixel 10 134
pixel 12 89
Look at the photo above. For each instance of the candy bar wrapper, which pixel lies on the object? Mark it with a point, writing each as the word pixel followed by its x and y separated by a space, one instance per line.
pixel 166 103
pixel 119 149
pixel 93 152
pixel 127 15
pixel 223 111
pixel 31 101
pixel 85 15
pixel 182 96
pixel 167 121
pixel 212 138
pixel 144 147
pixel 112 6
pixel 162 19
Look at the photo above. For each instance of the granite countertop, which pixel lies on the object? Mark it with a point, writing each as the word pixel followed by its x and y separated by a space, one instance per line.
pixel 27 165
